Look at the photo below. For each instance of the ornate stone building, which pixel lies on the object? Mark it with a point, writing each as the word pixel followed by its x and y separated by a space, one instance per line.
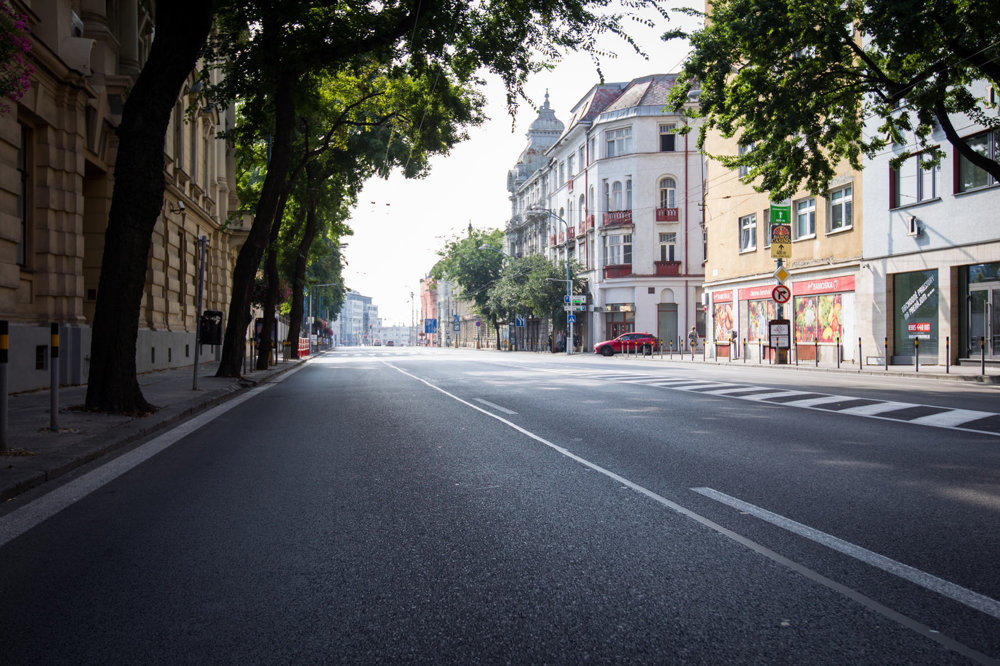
pixel 57 158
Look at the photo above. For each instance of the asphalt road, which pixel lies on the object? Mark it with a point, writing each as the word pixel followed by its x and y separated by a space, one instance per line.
pixel 401 506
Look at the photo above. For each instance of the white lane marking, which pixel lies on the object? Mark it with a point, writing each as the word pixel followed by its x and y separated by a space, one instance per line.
pixel 496 407
pixel 812 402
pixel 816 577
pixel 925 580
pixel 733 388
pixel 764 396
pixel 17 522
pixel 953 417
pixel 877 408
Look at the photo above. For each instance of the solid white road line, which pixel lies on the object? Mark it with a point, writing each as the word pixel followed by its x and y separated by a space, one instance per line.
pixel 20 521
pixel 925 580
pixel 814 576
pixel 496 407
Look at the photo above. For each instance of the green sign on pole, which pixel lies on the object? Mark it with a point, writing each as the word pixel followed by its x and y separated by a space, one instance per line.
pixel 781 212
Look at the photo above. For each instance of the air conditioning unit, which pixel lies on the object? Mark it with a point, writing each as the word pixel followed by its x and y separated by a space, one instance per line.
pixel 912 226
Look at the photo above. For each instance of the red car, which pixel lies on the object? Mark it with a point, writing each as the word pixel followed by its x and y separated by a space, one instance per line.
pixel 644 343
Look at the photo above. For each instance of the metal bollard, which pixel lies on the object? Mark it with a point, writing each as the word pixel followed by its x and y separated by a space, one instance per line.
pixel 885 359
pixel 54 377
pixel 860 357
pixel 916 354
pixel 838 352
pixel 947 355
pixel 816 349
pixel 982 356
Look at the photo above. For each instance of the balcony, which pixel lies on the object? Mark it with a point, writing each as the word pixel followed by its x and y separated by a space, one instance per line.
pixel 552 239
pixel 571 232
pixel 562 237
pixel 667 267
pixel 616 218
pixel 667 214
pixel 617 271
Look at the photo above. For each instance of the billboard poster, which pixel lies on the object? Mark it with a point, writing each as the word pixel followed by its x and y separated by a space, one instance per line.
pixel 758 314
pixel 915 312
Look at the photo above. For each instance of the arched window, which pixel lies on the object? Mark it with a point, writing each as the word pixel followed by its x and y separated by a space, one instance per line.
pixel 668 193
pixel 583 208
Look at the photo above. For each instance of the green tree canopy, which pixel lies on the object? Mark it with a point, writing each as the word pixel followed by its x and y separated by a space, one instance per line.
pixel 798 79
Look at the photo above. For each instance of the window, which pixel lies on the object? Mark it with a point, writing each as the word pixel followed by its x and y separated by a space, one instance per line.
pixel 667 139
pixel 581 159
pixel 619 142
pixel 569 167
pixel 593 201
pixel 748 232
pixel 628 194
pixel 805 218
pixel 618 249
pixel 616 196
pixel 583 208
pixel 971 177
pixel 668 242
pixel 841 209
pixel 607 196
pixel 668 193
pixel 744 149
pixel 913 183
pixel 23 201
pixel 593 149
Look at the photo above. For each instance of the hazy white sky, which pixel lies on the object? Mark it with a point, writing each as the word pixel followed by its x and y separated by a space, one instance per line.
pixel 400 225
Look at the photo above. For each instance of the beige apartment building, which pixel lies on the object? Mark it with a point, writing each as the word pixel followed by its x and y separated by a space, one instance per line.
pixel 826 249
pixel 57 158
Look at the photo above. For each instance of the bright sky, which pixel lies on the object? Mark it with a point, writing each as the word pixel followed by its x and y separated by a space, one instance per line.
pixel 400 225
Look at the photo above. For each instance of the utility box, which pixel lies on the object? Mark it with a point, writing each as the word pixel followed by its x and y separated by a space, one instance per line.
pixel 210 328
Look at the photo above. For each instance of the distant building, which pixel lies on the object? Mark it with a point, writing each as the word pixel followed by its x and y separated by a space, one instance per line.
pixel 354 322
pixel 623 189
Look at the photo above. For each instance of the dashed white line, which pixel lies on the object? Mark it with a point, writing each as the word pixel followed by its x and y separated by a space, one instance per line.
pixel 877 408
pixel 494 406
pixel 953 417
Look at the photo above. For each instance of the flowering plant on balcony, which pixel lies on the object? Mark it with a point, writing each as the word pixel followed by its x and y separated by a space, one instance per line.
pixel 15 70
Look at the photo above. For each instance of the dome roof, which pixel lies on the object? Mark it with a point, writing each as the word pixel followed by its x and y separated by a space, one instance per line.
pixel 546 122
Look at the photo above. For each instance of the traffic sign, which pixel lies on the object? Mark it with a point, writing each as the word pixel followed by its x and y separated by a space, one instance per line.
pixel 781 274
pixel 572 318
pixel 781 294
pixel 781 241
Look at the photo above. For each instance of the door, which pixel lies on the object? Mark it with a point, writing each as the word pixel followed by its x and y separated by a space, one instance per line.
pixel 984 320
pixel 666 325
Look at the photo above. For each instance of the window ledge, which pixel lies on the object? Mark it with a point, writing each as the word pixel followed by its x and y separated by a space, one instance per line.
pixel 834 232
pixel 915 204
pixel 803 238
pixel 748 250
pixel 977 189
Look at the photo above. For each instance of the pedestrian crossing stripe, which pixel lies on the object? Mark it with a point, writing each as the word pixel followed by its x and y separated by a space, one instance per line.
pixel 966 420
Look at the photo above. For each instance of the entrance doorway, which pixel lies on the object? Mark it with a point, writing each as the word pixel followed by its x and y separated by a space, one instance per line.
pixel 984 320
pixel 666 324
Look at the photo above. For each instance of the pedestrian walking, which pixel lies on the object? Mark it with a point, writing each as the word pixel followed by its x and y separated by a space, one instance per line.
pixel 693 338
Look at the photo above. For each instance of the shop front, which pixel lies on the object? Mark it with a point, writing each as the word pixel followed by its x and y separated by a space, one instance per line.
pixel 759 308
pixel 981 316
pixel 823 318
pixel 722 322
pixel 915 316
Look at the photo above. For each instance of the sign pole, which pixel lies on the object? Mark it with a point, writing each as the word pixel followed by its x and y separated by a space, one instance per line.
pixel 780 214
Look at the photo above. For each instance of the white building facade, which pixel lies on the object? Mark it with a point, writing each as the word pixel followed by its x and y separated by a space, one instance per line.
pixel 624 189
pixel 930 280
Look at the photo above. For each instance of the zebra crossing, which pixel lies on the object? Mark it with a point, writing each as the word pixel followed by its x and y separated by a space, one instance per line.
pixel 967 420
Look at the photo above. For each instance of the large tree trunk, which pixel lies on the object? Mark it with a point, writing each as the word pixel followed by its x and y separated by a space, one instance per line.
pixel 271 289
pixel 298 305
pixel 182 27
pixel 233 344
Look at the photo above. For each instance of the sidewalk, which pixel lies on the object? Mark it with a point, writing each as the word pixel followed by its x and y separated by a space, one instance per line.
pixel 36 454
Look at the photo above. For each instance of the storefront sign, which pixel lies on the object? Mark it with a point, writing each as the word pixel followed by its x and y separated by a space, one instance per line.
pixel 824 286
pixel 921 330
pixel 722 296
pixel 915 297
pixel 756 293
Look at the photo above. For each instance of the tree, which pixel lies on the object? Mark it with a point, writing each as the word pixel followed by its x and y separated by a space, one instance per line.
pixel 136 201
pixel 290 38
pixel 474 262
pixel 797 79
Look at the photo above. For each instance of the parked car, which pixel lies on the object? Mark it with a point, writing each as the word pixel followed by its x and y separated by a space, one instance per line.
pixel 645 343
pixel 390 343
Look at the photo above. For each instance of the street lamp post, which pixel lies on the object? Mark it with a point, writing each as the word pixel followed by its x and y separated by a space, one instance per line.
pixel 569 279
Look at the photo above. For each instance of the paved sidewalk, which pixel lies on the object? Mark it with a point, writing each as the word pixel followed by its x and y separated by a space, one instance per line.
pixel 36 454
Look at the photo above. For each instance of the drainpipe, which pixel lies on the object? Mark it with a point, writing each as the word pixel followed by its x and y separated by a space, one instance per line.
pixel 687 229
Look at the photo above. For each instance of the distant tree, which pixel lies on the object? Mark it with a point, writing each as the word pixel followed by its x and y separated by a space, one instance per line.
pixel 474 262
pixel 796 80
pixel 534 286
